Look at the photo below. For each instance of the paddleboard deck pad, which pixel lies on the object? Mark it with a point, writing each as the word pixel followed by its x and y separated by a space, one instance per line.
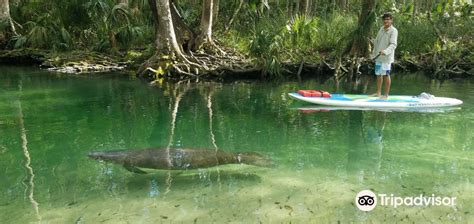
pixel 354 100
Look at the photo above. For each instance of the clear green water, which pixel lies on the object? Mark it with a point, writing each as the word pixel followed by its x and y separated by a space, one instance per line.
pixel 48 123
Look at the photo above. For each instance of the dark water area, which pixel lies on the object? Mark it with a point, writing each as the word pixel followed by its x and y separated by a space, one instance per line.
pixel 49 122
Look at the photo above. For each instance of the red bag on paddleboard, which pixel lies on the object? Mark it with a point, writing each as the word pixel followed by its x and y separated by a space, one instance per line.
pixel 314 93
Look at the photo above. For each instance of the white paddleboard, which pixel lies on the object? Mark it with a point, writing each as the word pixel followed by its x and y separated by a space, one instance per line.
pixel 322 108
pixel 354 100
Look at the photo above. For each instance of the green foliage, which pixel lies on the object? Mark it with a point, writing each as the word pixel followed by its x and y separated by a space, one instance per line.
pixel 414 37
pixel 45 33
pixel 417 35
pixel 126 25
pixel 261 43
pixel 86 23
pixel 449 52
pixel 274 40
pixel 271 34
pixel 20 41
pixel 188 12
pixel 4 24
pixel 73 14
pixel 334 32
pixel 265 46
pixel 300 32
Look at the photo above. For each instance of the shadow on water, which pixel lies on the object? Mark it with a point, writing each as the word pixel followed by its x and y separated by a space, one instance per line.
pixel 185 180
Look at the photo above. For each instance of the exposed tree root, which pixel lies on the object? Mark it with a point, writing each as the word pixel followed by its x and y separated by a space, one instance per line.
pixel 212 48
pixel 195 65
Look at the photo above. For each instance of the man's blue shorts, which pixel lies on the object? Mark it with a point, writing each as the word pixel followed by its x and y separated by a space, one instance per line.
pixel 382 68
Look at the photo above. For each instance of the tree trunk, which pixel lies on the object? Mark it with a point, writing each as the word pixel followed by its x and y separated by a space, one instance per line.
pixel 154 13
pixel 296 7
pixel 310 7
pixel 260 9
pixel 428 5
pixel 215 12
pixel 236 12
pixel 304 8
pixel 415 9
pixel 113 42
pixel 289 4
pixel 167 50
pixel 6 23
pixel 314 7
pixel 360 44
pixel 166 43
pixel 186 39
pixel 206 23
pixel 4 10
pixel 343 5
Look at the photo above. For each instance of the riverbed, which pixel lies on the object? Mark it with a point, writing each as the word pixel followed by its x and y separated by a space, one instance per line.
pixel 50 121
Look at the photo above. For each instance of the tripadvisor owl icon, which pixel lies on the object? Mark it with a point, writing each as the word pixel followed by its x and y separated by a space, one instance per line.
pixel 366 200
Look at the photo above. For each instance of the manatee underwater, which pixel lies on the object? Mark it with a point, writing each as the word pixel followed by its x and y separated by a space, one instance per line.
pixel 178 159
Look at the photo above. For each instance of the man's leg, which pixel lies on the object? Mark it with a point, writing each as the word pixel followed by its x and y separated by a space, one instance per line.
pixel 388 82
pixel 379 86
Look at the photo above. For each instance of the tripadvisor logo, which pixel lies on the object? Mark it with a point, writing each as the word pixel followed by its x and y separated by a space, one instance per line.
pixel 366 200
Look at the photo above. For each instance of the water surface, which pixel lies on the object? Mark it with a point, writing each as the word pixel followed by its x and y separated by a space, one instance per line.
pixel 49 122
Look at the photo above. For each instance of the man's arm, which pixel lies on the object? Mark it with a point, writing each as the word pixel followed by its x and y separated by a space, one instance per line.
pixel 373 54
pixel 392 43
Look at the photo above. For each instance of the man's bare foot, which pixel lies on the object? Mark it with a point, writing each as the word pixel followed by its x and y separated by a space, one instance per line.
pixel 375 95
pixel 385 97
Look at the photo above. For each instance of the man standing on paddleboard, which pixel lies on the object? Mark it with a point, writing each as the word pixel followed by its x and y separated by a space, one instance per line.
pixel 384 54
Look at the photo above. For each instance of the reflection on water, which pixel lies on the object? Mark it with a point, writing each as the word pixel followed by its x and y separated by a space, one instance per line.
pixel 365 149
pixel 323 158
pixel 30 176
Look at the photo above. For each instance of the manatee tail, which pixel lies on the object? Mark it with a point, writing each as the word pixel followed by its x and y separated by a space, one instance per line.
pixel 95 155
pixel 255 159
pixel 112 156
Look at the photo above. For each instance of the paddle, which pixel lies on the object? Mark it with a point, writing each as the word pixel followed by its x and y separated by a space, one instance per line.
pixel 376 56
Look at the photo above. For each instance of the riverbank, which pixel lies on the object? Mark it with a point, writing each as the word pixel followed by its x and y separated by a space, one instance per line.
pixel 77 62
pixel 65 62
pixel 245 41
